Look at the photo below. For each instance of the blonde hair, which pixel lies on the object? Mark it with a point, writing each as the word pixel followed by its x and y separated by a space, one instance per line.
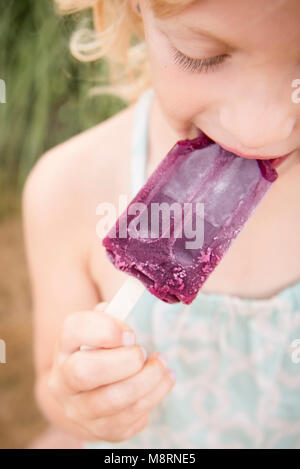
pixel 114 25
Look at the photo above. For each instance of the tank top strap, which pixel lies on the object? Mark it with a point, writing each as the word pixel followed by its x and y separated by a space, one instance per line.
pixel 139 145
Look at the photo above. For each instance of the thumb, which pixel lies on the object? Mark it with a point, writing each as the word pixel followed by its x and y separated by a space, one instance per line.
pixel 100 307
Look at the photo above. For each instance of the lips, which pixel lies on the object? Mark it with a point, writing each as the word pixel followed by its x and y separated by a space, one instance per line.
pixel 275 160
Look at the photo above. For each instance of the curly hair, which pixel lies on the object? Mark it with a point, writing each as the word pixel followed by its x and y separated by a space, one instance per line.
pixel 114 25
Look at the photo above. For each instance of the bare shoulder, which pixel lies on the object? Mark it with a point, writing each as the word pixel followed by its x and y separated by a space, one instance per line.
pixel 68 182
pixel 83 170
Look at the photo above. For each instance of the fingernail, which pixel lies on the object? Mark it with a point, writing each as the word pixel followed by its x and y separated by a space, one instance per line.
pixel 128 339
pixel 86 347
pixel 163 359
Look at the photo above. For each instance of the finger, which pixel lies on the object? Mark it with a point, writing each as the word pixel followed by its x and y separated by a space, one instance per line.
pixel 153 398
pixel 113 398
pixel 121 423
pixel 146 403
pixel 117 434
pixel 84 371
pixel 137 427
pixel 100 307
pixel 93 329
pixel 56 383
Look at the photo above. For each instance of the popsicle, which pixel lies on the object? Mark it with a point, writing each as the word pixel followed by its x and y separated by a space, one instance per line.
pixel 214 191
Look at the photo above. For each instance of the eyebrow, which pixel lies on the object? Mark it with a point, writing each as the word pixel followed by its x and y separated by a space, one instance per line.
pixel 204 33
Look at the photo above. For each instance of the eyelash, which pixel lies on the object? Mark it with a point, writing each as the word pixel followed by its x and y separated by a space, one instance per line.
pixel 198 65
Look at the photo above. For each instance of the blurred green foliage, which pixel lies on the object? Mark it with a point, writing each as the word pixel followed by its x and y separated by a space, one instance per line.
pixel 47 98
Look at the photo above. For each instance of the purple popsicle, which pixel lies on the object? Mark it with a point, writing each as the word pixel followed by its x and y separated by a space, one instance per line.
pixel 214 192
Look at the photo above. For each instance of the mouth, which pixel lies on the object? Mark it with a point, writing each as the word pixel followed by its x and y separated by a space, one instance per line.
pixel 275 160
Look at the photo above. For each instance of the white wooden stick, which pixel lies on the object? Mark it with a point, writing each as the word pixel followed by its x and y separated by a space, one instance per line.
pixel 125 299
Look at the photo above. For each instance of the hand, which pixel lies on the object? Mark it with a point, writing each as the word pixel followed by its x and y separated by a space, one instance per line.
pixel 109 387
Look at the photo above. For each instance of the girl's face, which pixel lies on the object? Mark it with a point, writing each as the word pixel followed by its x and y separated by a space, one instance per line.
pixel 240 88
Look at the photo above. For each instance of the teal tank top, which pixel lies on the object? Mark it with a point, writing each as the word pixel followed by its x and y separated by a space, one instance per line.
pixel 237 361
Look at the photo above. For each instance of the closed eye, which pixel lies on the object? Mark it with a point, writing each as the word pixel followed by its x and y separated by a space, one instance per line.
pixel 197 65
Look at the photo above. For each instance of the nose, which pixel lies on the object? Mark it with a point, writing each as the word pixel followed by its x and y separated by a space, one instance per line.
pixel 259 116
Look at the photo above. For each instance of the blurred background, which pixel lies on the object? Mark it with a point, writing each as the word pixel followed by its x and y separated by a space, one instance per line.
pixel 47 102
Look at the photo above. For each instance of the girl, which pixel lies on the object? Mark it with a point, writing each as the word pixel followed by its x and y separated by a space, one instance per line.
pixel 228 69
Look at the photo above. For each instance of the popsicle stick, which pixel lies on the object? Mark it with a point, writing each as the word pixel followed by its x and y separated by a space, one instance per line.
pixel 123 302
pixel 125 299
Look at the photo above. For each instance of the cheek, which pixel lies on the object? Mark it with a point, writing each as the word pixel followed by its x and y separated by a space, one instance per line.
pixel 185 98
pixel 182 95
